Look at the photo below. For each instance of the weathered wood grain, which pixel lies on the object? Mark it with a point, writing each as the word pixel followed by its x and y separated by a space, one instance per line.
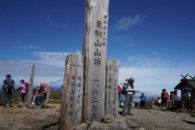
pixel 47 99
pixel 95 52
pixel 111 102
pixel 31 86
pixel 72 93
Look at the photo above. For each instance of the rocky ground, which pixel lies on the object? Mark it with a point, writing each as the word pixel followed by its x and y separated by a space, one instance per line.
pixel 22 118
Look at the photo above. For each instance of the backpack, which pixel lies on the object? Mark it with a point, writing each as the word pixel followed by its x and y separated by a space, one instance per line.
pixel 129 82
pixel 26 87
pixel 119 89
pixel 165 95
pixel 124 91
pixel 9 86
pixel 171 95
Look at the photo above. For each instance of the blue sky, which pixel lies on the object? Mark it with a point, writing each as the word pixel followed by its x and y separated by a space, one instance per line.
pixel 152 39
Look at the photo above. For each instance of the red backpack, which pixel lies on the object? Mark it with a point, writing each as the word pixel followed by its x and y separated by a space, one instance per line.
pixel 119 89
pixel 165 95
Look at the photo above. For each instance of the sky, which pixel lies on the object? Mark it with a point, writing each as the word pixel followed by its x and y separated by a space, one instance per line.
pixel 152 39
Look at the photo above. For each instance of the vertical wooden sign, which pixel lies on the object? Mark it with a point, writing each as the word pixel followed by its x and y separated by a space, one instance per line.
pixel 31 86
pixel 95 52
pixel 111 102
pixel 72 93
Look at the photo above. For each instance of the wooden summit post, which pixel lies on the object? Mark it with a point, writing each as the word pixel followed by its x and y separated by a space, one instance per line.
pixel 95 52
pixel 111 102
pixel 31 85
pixel 72 93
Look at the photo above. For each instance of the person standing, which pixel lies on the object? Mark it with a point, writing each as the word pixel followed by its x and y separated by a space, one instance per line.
pixel 188 101
pixel 143 101
pixel 24 89
pixel 8 89
pixel 176 101
pixel 164 97
pixel 129 88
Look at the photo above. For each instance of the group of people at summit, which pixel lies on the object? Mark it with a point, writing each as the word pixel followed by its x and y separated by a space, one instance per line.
pixel 38 96
pixel 126 92
pixel 125 89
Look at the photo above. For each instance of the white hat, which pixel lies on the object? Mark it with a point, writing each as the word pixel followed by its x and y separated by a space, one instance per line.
pixel 39 84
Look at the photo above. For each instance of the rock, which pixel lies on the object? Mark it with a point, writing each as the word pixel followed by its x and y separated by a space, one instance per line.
pixel 107 119
pixel 110 122
pixel 50 122
pixel 132 124
pixel 82 126
pixel 141 128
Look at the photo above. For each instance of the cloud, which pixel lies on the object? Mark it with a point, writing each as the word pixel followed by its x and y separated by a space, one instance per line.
pixel 152 80
pixel 56 24
pixel 22 70
pixel 50 68
pixel 26 47
pixel 152 73
pixel 147 60
pixel 126 23
pixel 51 58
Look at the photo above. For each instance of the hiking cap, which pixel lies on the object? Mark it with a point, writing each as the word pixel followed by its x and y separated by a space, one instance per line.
pixel 22 80
pixel 8 76
pixel 131 78
pixel 164 89
pixel 39 85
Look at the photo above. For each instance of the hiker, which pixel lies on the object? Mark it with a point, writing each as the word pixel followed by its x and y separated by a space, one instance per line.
pixel 143 101
pixel 164 97
pixel 176 101
pixel 46 93
pixel 172 100
pixel 129 89
pixel 38 96
pixel 121 96
pixel 188 101
pixel 24 89
pixel 159 101
pixel 8 90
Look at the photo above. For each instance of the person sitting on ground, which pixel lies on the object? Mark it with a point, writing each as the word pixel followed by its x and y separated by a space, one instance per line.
pixel 143 101
pixel 164 97
pixel 129 88
pixel 24 89
pixel 8 90
pixel 37 96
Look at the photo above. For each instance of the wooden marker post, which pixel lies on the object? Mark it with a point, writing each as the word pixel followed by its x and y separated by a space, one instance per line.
pixel 31 86
pixel 95 52
pixel 72 93
pixel 111 102
pixel 47 99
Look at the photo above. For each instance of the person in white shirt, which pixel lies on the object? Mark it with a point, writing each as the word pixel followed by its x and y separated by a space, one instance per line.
pixel 129 89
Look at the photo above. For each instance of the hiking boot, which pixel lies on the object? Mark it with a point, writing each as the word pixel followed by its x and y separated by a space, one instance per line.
pixel 130 114
pixel 123 114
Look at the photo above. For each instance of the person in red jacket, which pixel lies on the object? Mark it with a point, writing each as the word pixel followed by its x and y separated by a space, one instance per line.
pixel 164 97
